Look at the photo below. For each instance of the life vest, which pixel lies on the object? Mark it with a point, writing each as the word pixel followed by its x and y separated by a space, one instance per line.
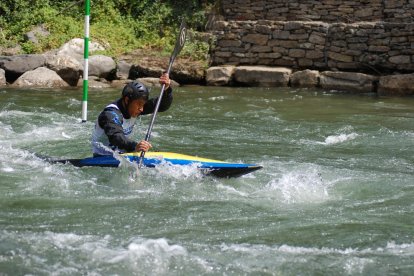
pixel 100 143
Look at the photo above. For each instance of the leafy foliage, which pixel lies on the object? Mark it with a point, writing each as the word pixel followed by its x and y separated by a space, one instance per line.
pixel 120 25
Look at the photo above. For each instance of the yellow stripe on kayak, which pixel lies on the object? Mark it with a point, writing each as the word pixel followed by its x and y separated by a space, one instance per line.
pixel 172 155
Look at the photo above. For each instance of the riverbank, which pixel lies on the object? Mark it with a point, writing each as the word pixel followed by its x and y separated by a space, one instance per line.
pixel 64 68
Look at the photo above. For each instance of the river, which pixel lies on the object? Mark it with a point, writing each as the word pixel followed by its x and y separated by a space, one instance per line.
pixel 334 197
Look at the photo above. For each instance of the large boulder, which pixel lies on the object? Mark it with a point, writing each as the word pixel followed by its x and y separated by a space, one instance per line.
pixel 348 81
pixel 262 76
pixel 3 81
pixel 15 66
pixel 306 78
pixel 40 77
pixel 67 67
pixel 186 74
pixel 219 75
pixel 74 48
pixel 122 69
pixel 396 85
pixel 102 67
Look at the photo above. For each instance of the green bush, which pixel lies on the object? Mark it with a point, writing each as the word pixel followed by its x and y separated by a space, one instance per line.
pixel 120 25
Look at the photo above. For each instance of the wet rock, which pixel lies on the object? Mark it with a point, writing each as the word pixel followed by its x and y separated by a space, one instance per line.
pixel 40 77
pixel 357 82
pixel 98 83
pixel 306 78
pixel 67 67
pixel 95 82
pixel 15 66
pixel 119 83
pixel 396 85
pixel 262 76
pixel 219 75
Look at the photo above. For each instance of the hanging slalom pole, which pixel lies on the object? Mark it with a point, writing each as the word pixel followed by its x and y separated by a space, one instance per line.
pixel 86 62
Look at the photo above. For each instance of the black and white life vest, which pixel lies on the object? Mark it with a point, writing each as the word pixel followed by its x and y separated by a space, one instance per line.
pixel 100 143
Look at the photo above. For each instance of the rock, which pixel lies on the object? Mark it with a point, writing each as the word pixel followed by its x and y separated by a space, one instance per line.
pixel 40 77
pixel 188 75
pixel 306 78
pixel 262 76
pixel 102 67
pixel 95 82
pixel 67 67
pixel 122 70
pixel 142 71
pixel 396 85
pixel 98 83
pixel 15 66
pixel 74 48
pixel 119 83
pixel 3 81
pixel 401 59
pixel 36 33
pixel 357 82
pixel 155 82
pixel 219 75
pixel 258 39
pixel 340 57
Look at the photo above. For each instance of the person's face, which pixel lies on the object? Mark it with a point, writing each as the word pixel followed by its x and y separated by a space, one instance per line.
pixel 135 107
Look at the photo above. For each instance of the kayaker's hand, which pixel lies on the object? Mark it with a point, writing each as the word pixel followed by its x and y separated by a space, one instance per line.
pixel 165 79
pixel 143 146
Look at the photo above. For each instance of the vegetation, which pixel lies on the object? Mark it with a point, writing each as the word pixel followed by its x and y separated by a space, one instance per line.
pixel 120 25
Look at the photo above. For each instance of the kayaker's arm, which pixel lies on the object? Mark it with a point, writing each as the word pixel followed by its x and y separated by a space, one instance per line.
pixel 165 104
pixel 110 120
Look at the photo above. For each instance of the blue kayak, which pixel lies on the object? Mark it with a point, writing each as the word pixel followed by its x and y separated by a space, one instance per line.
pixel 152 159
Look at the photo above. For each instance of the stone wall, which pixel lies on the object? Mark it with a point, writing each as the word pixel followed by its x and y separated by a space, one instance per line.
pixel 375 47
pixel 331 11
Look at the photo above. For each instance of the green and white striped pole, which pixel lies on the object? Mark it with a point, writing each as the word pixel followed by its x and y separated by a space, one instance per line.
pixel 86 62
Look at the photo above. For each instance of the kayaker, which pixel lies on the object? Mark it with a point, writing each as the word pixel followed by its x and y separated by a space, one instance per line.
pixel 115 124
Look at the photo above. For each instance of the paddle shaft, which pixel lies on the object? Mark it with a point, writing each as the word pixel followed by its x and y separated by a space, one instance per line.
pixel 177 48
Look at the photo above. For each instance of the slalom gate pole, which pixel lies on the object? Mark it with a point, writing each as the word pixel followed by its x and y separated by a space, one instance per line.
pixel 86 61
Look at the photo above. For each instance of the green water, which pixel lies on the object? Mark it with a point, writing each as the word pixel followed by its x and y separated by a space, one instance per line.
pixel 335 196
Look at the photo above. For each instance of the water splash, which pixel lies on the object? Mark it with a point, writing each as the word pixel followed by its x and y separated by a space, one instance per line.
pixel 304 186
pixel 78 253
pixel 337 139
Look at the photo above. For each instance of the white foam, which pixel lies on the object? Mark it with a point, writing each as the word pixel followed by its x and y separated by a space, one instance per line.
pixel 232 190
pixel 336 139
pixel 139 254
pixel 218 98
pixel 179 171
pixel 303 186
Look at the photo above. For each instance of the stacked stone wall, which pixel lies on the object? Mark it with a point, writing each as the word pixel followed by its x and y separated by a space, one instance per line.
pixel 332 11
pixel 365 46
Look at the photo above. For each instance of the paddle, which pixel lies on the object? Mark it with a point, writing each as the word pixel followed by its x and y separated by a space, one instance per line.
pixel 179 44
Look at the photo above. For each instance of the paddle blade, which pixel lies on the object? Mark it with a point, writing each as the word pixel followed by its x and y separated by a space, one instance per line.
pixel 182 36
